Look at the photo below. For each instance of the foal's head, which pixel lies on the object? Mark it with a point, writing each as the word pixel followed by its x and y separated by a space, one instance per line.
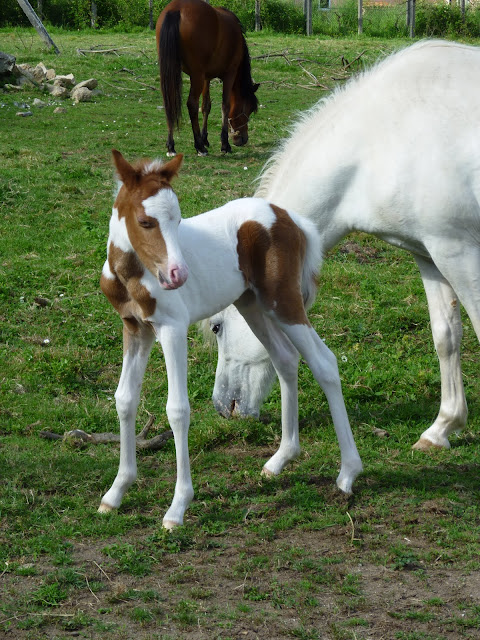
pixel 149 206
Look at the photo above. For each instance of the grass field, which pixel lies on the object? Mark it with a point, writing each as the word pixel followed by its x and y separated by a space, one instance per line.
pixel 256 558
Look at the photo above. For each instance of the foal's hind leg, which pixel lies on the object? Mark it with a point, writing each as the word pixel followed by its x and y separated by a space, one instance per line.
pixel 137 347
pixel 446 326
pixel 323 365
pixel 206 107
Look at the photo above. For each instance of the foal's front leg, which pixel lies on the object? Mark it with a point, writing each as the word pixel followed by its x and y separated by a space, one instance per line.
pixel 284 358
pixel 174 345
pixel 137 347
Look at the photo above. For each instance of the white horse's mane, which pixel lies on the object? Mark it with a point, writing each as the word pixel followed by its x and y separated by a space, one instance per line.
pixel 326 108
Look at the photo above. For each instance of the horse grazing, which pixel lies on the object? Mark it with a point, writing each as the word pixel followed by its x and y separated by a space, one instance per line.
pixel 395 153
pixel 247 252
pixel 205 42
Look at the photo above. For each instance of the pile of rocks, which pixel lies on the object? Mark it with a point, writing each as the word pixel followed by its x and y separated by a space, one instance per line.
pixel 58 86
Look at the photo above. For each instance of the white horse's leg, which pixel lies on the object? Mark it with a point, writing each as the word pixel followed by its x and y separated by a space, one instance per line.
pixel 284 358
pixel 444 308
pixel 174 345
pixel 460 266
pixel 137 348
pixel 323 365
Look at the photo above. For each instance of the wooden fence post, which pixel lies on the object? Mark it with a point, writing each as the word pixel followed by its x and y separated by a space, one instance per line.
pixel 360 16
pixel 411 21
pixel 37 23
pixel 93 14
pixel 150 13
pixel 308 17
pixel 258 24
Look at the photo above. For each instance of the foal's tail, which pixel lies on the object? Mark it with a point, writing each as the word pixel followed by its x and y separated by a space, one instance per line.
pixel 170 60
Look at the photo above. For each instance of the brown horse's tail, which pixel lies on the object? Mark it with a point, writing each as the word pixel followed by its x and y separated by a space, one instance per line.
pixel 170 60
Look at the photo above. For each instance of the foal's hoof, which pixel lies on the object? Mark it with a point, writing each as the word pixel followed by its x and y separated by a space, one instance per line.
pixel 427 445
pixel 105 508
pixel 169 525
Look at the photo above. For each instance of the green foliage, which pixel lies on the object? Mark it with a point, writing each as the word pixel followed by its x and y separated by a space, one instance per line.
pixel 434 20
pixel 279 16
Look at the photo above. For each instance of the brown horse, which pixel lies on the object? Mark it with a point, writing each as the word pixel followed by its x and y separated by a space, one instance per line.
pixel 205 42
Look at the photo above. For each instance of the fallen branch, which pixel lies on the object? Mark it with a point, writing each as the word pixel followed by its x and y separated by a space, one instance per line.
pixel 347 64
pixel 113 50
pixel 125 70
pixel 77 437
pixel 315 83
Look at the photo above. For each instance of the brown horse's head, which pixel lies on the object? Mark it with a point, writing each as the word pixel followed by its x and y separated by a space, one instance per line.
pixel 240 112
pixel 244 102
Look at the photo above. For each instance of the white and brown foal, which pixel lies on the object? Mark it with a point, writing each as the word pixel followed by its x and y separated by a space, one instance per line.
pixel 249 253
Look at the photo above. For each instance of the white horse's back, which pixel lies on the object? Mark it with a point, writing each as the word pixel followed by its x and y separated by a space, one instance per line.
pixel 395 152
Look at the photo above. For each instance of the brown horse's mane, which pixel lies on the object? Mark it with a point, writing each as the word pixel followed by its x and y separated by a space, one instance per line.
pixel 247 88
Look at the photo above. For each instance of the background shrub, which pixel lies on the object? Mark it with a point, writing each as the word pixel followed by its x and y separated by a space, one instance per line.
pixel 281 16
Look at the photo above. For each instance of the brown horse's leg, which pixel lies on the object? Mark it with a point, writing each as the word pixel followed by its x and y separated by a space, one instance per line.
pixel 206 106
pixel 227 90
pixel 196 88
pixel 170 142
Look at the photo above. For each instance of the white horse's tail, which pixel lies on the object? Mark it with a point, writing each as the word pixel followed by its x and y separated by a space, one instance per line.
pixel 313 258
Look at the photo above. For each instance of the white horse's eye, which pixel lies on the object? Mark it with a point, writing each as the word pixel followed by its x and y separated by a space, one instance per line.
pixel 216 328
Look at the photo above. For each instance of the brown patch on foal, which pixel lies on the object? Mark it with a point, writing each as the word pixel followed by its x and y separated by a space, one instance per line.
pixel 271 261
pixel 125 292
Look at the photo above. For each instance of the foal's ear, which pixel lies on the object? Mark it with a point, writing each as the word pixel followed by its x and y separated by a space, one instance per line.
pixel 171 168
pixel 126 172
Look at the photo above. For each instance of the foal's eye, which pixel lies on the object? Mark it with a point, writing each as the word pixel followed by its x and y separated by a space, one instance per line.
pixel 216 328
pixel 146 224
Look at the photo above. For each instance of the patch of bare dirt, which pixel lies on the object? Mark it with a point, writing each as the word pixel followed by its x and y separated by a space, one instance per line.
pixel 239 586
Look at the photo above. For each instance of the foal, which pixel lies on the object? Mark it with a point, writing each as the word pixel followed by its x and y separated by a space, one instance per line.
pixel 249 253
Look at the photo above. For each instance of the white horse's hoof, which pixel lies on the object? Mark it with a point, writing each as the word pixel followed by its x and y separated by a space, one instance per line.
pixel 169 525
pixel 105 508
pixel 427 445
pixel 266 473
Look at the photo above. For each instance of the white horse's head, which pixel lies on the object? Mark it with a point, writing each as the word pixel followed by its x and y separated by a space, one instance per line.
pixel 245 373
pixel 149 206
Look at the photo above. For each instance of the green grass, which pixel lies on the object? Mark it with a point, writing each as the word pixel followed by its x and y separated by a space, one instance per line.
pixel 289 554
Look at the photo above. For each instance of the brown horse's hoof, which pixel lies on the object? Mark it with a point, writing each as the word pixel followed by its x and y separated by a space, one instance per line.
pixel 202 154
pixel 171 154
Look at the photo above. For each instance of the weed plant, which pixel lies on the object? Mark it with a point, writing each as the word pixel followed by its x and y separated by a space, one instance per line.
pixel 280 558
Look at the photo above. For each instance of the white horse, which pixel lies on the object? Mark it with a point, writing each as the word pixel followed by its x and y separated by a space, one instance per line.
pixel 247 252
pixel 395 153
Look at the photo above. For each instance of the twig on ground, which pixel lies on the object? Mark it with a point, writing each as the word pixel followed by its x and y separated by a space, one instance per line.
pixel 78 437
pixel 125 70
pixel 93 50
